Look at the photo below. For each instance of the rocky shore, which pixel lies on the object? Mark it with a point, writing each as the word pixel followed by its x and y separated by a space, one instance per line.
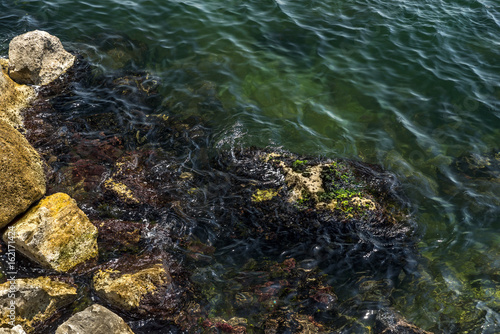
pixel 98 229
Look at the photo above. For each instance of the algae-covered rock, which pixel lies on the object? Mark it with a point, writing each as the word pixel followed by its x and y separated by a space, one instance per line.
pixel 142 285
pixel 390 322
pixel 22 179
pixel 33 301
pixel 38 58
pixel 127 289
pixel 95 319
pixel 483 166
pixel 55 233
pixel 13 97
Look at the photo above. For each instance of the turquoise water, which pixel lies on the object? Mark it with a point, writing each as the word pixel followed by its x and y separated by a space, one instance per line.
pixel 410 85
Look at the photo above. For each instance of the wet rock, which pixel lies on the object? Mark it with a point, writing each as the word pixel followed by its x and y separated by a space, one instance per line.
pixel 290 200
pixel 390 322
pixel 141 285
pixel 14 97
pixel 116 235
pixel 234 325
pixel 199 251
pixel 35 300
pixel 95 319
pixel 270 296
pixel 14 330
pixel 54 233
pixel 139 88
pixel 22 179
pixel 121 51
pixel 483 166
pixel 121 191
pixel 294 323
pixel 38 58
pixel 139 177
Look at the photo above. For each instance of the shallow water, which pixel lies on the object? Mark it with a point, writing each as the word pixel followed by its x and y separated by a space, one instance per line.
pixel 412 86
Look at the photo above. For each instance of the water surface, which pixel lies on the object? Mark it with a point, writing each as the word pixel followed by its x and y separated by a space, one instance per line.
pixel 411 85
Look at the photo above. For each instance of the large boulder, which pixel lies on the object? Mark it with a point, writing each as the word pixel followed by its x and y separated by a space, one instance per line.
pixel 95 319
pixel 37 58
pixel 13 97
pixel 31 301
pixel 54 233
pixel 22 179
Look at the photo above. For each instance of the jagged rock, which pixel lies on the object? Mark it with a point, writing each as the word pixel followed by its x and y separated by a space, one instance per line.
pixel 95 319
pixel 13 98
pixel 55 233
pixel 34 301
pixel 38 58
pixel 141 285
pixel 14 330
pixel 22 179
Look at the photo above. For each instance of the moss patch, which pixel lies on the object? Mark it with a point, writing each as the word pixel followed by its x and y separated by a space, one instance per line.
pixel 264 195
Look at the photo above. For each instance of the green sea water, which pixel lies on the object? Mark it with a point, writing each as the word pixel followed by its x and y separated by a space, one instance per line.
pixel 413 86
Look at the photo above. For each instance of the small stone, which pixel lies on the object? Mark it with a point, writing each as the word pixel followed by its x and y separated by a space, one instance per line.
pixel 115 234
pixel 120 190
pixel 55 233
pixel 35 300
pixel 22 179
pixel 37 58
pixel 95 319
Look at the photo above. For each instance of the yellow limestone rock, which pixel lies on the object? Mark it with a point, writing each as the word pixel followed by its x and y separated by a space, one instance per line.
pixel 22 180
pixel 55 233
pixel 13 97
pixel 35 300
pixel 95 319
pixel 125 290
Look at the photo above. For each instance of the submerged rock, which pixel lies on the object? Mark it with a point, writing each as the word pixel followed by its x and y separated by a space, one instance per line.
pixel 349 212
pixel 141 285
pixel 482 166
pixel 22 179
pixel 34 300
pixel 95 319
pixel 14 97
pixel 390 322
pixel 37 58
pixel 55 233
pixel 266 296
pixel 115 235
